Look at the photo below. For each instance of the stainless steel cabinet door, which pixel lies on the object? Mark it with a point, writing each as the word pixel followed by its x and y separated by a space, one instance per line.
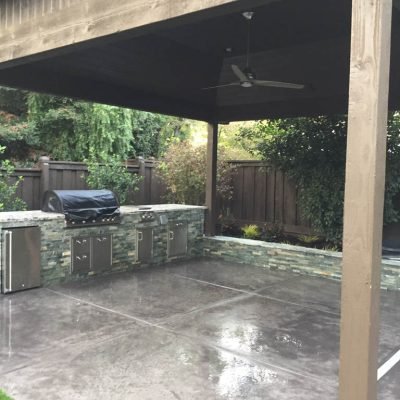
pixel 22 259
pixel 101 252
pixel 177 239
pixel 80 254
pixel 144 244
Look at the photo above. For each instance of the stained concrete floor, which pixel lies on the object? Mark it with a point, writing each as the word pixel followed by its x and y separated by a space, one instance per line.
pixel 189 331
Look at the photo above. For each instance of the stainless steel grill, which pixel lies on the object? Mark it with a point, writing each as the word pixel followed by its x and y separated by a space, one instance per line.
pixel 83 207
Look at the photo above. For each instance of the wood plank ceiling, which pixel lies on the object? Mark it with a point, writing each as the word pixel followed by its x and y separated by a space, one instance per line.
pixel 165 70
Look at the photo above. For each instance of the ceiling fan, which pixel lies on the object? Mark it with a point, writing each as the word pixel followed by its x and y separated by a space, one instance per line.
pixel 247 78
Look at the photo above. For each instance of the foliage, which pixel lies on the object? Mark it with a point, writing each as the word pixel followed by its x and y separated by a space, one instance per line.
pixel 8 199
pixel 233 139
pixel 17 135
pixel 253 136
pixel 251 232
pixel 309 239
pixel 3 396
pixel 111 174
pixel 13 101
pixel 183 170
pixel 272 233
pixel 312 152
pixel 74 130
pixel 34 124
pixel 153 133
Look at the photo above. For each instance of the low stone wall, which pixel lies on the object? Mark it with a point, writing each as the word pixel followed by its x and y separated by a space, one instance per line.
pixel 296 259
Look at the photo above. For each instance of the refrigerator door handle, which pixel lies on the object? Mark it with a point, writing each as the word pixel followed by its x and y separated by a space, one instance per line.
pixel 8 268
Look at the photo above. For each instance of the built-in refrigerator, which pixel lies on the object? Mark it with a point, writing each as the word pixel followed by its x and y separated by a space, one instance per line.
pixel 20 265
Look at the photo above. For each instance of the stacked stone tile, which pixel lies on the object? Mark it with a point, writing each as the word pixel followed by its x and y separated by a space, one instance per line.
pixel 56 238
pixel 285 257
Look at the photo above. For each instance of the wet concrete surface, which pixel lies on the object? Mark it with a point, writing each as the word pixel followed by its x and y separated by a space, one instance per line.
pixel 198 330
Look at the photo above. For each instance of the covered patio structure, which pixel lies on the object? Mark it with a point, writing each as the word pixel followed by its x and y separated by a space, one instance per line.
pixel 158 55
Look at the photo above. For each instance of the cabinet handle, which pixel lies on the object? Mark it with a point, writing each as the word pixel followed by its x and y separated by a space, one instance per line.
pixel 171 235
pixel 8 237
pixel 140 236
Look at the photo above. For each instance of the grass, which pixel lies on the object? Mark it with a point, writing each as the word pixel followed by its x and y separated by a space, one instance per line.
pixel 3 396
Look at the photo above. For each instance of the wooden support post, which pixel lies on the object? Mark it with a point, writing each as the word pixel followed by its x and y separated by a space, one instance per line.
pixel 364 195
pixel 45 175
pixel 142 184
pixel 211 184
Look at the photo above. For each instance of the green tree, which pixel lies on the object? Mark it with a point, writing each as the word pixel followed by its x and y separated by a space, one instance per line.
pixel 17 135
pixel 312 152
pixel 65 129
pixel 153 133
pixel 74 130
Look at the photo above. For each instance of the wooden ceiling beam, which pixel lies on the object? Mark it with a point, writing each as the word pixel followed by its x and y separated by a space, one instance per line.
pixel 93 19
pixel 50 82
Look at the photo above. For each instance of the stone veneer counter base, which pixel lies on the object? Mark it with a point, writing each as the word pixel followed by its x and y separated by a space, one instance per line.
pixel 300 260
pixel 56 238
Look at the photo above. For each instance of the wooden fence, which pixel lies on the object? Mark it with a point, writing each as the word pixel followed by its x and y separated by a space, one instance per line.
pixel 261 194
pixel 265 195
pixel 53 175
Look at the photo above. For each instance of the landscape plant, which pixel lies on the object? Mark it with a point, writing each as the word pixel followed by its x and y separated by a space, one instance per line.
pixel 110 173
pixel 251 232
pixel 9 201
pixel 183 170
pixel 312 152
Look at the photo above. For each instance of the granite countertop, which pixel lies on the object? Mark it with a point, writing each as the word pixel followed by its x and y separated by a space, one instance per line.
pixel 37 215
pixel 160 208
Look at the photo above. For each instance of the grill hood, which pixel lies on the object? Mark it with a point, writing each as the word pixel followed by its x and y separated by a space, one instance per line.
pixel 81 206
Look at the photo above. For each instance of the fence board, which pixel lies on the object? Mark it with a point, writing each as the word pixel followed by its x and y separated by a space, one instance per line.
pixel 279 197
pixel 260 198
pixel 248 192
pixel 261 194
pixel 270 181
pixel 289 206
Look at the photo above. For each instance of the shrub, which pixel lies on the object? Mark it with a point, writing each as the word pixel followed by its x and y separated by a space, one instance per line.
pixel 111 174
pixel 8 198
pixel 312 151
pixel 273 233
pixel 183 171
pixel 309 239
pixel 251 232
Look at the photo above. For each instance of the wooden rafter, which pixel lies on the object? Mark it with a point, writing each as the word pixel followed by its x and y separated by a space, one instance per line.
pixel 92 19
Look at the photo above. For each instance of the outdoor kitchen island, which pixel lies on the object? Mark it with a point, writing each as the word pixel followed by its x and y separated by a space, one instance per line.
pixel 146 235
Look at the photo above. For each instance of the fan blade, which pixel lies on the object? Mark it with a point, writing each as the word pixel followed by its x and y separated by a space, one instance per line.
pixel 239 73
pixel 277 84
pixel 221 86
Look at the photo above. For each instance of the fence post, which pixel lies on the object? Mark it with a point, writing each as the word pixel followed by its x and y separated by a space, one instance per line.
pixel 45 174
pixel 142 183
